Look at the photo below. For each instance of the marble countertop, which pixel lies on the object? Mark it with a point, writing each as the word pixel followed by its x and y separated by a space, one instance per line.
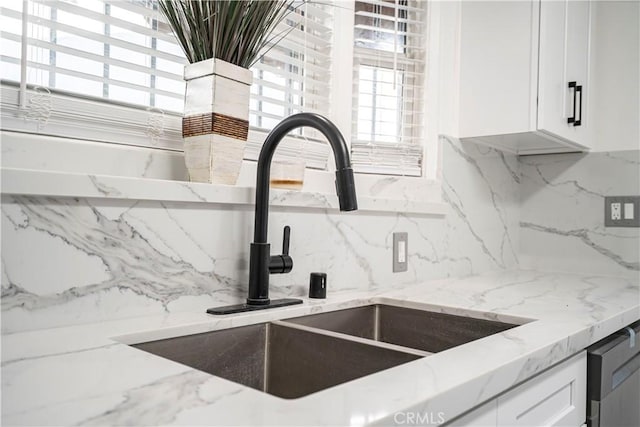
pixel 87 374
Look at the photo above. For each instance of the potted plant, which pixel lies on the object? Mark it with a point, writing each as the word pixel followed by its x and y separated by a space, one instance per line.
pixel 221 40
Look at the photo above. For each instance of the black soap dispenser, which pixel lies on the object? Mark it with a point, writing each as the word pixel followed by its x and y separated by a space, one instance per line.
pixel 318 285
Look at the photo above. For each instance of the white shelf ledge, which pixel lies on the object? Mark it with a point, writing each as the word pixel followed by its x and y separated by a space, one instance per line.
pixel 65 184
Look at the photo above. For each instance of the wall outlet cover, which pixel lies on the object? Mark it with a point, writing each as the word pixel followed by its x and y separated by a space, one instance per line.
pixel 621 211
pixel 400 252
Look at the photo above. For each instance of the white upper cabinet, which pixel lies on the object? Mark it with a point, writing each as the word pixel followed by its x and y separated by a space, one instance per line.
pixel 524 75
pixel 563 72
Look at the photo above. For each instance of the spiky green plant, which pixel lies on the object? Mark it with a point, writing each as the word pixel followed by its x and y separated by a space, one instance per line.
pixel 232 30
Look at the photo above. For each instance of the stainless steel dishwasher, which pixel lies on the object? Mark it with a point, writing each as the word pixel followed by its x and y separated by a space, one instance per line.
pixel 613 380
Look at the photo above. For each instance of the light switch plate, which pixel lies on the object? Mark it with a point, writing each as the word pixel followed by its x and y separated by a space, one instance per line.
pixel 622 211
pixel 400 252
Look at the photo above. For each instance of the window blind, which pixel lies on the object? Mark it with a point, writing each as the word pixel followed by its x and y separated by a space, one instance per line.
pixel 294 77
pixel 388 66
pixel 111 70
pixel 99 70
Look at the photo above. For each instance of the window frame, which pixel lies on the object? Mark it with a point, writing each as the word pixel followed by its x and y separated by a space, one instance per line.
pixel 424 188
pixel 427 187
pixel 406 60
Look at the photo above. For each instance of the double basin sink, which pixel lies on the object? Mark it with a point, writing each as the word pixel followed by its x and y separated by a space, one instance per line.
pixel 295 357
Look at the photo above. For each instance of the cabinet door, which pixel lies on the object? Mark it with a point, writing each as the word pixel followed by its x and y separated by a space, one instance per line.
pixel 557 397
pixel 483 416
pixel 498 67
pixel 565 29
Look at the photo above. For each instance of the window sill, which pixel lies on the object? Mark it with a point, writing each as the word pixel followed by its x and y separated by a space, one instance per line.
pixel 65 184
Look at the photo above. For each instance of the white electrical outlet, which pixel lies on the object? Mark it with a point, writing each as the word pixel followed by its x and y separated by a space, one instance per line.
pixel 616 211
pixel 400 248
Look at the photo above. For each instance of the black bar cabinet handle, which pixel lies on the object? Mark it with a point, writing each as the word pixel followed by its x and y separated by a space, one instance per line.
pixel 578 122
pixel 572 119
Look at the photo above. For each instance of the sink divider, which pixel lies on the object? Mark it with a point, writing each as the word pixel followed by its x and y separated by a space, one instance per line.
pixel 352 338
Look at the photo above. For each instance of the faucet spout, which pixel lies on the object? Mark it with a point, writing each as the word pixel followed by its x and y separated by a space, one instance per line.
pixel 345 188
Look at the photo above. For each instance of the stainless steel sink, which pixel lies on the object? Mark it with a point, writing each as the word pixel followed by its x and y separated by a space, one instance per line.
pixel 419 329
pixel 299 356
pixel 286 361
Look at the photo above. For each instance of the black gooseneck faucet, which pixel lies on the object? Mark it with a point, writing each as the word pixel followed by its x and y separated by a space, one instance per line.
pixel 261 263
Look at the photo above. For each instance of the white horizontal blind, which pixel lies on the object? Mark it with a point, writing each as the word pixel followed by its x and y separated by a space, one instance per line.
pixel 93 69
pixel 293 77
pixel 111 70
pixel 388 66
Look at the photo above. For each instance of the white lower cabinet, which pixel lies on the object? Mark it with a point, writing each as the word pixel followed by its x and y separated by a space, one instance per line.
pixel 556 397
pixel 482 416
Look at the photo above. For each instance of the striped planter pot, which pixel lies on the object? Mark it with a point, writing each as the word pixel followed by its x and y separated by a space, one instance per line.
pixel 216 120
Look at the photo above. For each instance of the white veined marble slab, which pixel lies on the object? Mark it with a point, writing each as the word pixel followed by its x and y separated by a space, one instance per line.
pixel 85 375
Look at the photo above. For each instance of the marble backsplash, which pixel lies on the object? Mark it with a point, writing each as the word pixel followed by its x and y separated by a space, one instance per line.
pixel 562 213
pixel 78 260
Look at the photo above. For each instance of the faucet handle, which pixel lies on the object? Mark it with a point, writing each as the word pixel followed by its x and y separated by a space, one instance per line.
pixel 282 263
pixel 286 236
